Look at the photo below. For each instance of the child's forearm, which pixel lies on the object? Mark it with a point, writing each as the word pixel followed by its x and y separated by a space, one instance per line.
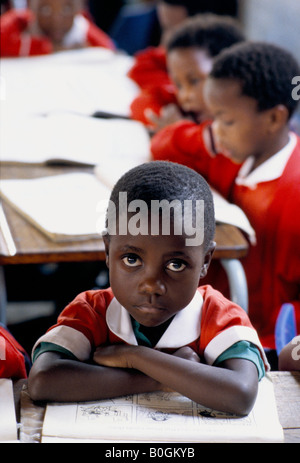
pixel 231 389
pixel 56 379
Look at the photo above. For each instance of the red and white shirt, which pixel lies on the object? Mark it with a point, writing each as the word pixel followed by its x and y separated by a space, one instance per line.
pixel 210 324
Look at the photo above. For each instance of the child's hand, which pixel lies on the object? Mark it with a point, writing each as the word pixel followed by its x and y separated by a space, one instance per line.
pixel 168 115
pixel 117 356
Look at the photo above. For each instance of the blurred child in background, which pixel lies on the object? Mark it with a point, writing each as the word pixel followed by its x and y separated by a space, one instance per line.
pixel 150 70
pixel 249 93
pixel 48 26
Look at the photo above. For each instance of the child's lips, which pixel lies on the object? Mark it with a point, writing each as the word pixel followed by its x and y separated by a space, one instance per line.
pixel 149 309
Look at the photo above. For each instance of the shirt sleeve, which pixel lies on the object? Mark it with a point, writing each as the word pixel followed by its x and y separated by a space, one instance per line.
pixel 51 347
pixel 244 350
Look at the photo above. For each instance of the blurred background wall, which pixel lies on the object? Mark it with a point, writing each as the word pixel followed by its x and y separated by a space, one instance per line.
pixel 276 21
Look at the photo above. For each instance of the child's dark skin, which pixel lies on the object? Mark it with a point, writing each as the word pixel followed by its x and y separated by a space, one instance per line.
pixel 153 277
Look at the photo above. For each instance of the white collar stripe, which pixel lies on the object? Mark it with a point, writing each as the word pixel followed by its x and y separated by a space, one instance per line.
pixel 228 338
pixel 69 338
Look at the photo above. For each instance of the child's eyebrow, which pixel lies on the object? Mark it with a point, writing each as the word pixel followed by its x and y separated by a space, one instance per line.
pixel 128 247
pixel 177 254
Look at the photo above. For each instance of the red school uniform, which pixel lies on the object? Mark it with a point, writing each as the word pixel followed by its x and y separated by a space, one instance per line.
pixel 15 41
pixel 157 90
pixel 183 142
pixel 270 197
pixel 271 202
pixel 14 361
pixel 210 324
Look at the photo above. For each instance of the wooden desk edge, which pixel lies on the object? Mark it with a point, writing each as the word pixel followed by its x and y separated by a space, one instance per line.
pixel 236 248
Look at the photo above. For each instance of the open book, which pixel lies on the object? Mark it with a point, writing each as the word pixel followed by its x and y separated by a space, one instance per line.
pixel 73 139
pixel 8 422
pixel 161 417
pixel 82 81
pixel 64 207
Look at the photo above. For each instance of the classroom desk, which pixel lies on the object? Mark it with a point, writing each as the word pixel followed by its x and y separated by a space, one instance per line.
pixel 287 395
pixel 32 247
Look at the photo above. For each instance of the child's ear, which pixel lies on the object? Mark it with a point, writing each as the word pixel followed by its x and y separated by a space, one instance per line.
pixel 207 260
pixel 106 246
pixel 278 117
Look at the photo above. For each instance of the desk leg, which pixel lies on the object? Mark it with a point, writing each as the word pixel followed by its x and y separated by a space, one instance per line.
pixel 3 300
pixel 237 282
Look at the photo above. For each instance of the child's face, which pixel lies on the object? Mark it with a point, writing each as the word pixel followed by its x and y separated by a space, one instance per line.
pixel 154 277
pixel 240 130
pixel 189 68
pixel 55 17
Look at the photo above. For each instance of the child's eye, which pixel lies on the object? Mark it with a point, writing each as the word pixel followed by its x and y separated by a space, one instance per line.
pixel 131 261
pixel 194 81
pixel 67 10
pixel 228 123
pixel 176 266
pixel 45 10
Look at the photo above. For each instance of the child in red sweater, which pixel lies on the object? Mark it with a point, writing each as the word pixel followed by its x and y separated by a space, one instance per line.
pixel 250 95
pixel 48 26
pixel 160 102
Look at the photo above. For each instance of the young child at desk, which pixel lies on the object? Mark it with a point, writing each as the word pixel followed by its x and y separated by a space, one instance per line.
pixel 48 26
pixel 168 92
pixel 249 93
pixel 153 328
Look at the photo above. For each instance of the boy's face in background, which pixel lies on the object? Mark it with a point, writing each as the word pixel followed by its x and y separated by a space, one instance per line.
pixel 240 130
pixel 154 276
pixel 55 17
pixel 189 68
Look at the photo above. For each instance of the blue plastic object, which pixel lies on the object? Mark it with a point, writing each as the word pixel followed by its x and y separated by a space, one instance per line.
pixel 133 27
pixel 285 327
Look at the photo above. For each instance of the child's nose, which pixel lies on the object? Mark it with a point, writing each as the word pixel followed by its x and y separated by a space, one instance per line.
pixel 185 95
pixel 152 285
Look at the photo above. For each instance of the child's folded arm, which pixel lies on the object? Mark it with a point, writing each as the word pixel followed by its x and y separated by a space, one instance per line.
pixel 53 377
pixel 231 387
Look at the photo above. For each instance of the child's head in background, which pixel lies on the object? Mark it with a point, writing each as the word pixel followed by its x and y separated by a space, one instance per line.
pixel 159 244
pixel 250 95
pixel 54 18
pixel 191 49
pixel 173 12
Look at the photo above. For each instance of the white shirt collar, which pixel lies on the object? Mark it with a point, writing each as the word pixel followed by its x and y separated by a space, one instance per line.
pixel 184 328
pixel 78 32
pixel 270 169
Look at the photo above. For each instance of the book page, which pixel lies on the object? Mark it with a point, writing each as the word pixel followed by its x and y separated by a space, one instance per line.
pixel 83 81
pixel 229 213
pixel 64 207
pixel 162 417
pixel 8 423
pixel 73 139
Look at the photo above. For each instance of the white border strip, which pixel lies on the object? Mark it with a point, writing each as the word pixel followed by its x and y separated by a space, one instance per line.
pixel 230 336
pixel 68 338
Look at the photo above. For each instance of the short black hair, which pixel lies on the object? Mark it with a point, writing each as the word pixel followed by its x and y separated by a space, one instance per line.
pixel 158 180
pixel 210 32
pixel 264 70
